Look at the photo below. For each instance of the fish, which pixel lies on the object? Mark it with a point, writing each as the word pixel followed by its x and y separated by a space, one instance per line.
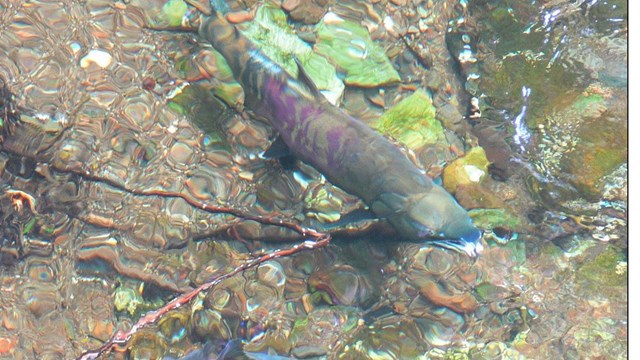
pixel 233 350
pixel 349 153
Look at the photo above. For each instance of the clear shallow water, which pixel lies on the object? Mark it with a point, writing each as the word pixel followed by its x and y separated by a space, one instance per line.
pixel 113 110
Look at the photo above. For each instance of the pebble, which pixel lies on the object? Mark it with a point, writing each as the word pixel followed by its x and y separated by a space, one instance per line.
pixel 100 58
pixel 239 16
pixel 7 345
pixel 290 5
pixel 422 25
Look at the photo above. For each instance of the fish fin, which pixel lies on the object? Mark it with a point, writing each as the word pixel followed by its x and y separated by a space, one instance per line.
pixel 233 351
pixel 277 150
pixel 304 77
pixel 358 215
pixel 387 204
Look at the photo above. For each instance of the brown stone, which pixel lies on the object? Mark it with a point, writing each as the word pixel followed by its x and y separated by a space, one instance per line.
pixel 461 303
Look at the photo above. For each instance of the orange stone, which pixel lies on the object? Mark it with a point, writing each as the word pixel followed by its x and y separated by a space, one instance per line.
pixel 7 345
pixel 239 17
pixel 103 329
pixel 460 303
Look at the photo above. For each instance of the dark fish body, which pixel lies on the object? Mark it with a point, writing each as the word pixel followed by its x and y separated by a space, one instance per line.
pixel 233 350
pixel 346 151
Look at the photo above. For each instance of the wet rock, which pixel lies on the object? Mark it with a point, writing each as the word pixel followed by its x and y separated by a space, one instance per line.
pixel 491 218
pixel 597 154
pixel 473 196
pixel 307 11
pixel 499 153
pixel 606 269
pixel 273 35
pixel 413 122
pixel 348 45
pixel 342 285
pixel 7 345
pixel 472 168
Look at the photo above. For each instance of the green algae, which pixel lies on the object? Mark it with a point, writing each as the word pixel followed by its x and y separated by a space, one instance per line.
pixel 550 86
pixel 490 218
pixel 276 38
pixel 606 269
pixel 471 168
pixel 589 106
pixel 581 143
pixel 489 292
pixel 172 13
pixel 127 299
pixel 523 58
pixel 202 106
pixel 130 300
pixel 348 45
pixel 412 122
pixel 598 153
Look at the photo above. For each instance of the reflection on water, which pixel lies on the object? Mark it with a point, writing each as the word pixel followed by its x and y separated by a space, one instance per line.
pixel 521 113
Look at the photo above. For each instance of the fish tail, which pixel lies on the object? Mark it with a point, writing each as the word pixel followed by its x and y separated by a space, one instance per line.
pixel 249 64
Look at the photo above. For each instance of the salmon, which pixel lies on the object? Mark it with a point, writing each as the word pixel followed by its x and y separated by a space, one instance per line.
pixel 346 151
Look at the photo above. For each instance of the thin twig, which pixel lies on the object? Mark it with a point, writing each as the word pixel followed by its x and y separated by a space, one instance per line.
pixel 122 337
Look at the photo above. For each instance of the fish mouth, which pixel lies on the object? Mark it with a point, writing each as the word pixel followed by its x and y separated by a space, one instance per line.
pixel 471 249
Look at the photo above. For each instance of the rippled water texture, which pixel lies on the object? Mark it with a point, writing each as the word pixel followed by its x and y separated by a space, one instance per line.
pixel 122 118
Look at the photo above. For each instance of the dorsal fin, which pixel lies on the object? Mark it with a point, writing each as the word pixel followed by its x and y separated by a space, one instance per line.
pixel 304 77
pixel 277 150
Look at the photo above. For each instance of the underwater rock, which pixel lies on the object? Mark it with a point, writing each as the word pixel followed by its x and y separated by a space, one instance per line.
pixel 491 218
pixel 597 154
pixel 495 350
pixel 473 196
pixel 271 32
pixel 607 269
pixel 413 122
pixel 389 337
pixel 492 138
pixel 322 330
pixel 147 344
pixel 348 45
pixel 472 168
pixel 342 285
pixel 163 13
pixel 307 11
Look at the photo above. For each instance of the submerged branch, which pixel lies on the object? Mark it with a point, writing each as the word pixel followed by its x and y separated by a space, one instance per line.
pixel 122 337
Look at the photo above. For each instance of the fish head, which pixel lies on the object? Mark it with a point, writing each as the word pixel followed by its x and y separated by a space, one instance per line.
pixel 435 216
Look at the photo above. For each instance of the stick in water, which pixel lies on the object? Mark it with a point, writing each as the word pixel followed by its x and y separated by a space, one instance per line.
pixel 122 337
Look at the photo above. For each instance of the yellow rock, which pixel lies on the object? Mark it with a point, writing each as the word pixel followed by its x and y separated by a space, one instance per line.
pixel 469 169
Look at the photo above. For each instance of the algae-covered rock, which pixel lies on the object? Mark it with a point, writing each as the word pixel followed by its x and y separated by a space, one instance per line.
pixel 413 122
pixel 203 108
pixel 472 168
pixel 600 150
pixel 127 299
pixel 162 14
pixel 275 37
pixel 607 269
pixel 173 12
pixel 476 195
pixel 491 218
pixel 307 11
pixel 130 300
pixel 583 142
pixel 348 45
